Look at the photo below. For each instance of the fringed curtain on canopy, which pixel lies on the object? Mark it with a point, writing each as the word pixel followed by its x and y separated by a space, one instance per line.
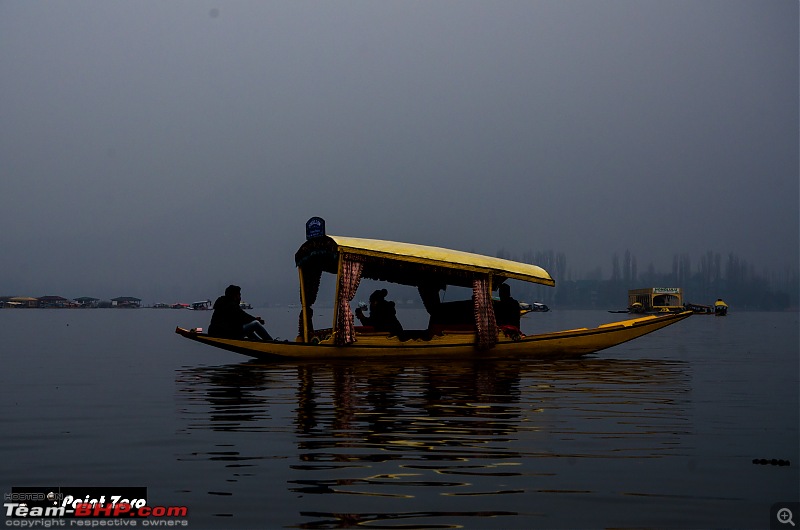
pixel 348 285
pixel 484 314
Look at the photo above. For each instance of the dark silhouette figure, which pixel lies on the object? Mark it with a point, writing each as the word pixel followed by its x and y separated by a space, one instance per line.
pixel 230 321
pixel 382 314
pixel 506 311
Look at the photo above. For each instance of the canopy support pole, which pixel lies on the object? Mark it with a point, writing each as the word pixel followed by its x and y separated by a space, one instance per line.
pixel 303 306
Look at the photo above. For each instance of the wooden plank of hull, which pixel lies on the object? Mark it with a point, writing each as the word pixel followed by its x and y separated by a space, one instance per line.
pixel 560 344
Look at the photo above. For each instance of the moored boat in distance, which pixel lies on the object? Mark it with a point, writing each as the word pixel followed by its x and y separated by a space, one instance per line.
pixel 719 308
pixel 203 305
pixel 655 300
pixel 535 307
pixel 462 329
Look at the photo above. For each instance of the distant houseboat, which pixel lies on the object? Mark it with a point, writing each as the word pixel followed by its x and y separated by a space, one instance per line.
pixel 656 300
pixel 87 301
pixel 126 302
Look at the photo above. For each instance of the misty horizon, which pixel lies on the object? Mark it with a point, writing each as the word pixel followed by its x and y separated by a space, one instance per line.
pixel 153 294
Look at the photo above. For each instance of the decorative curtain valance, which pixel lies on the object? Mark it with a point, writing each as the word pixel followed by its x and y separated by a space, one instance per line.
pixel 348 285
pixel 484 314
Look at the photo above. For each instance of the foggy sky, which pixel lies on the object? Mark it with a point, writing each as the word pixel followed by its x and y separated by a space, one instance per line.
pixel 164 149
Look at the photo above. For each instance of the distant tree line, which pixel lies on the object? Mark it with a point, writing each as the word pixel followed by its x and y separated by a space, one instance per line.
pixel 731 278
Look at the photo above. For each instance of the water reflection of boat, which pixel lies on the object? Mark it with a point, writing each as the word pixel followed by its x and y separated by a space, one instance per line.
pixel 456 329
pixel 476 398
pixel 453 429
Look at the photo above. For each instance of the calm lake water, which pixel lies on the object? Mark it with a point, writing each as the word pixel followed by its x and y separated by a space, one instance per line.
pixel 657 433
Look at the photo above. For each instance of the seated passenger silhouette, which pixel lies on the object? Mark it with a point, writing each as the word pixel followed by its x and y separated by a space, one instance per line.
pixel 382 314
pixel 230 321
pixel 506 311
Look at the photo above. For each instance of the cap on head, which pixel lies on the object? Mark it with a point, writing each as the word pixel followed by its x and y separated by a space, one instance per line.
pixel 233 290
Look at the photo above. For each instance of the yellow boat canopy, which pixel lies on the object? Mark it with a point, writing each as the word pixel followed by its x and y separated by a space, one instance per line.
pixel 410 264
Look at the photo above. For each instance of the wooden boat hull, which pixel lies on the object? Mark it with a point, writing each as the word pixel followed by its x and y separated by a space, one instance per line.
pixel 561 344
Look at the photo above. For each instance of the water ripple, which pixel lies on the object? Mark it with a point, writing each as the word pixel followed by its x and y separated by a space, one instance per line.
pixel 452 430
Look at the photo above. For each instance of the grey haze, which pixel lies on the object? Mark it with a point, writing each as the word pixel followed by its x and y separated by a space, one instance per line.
pixel 165 149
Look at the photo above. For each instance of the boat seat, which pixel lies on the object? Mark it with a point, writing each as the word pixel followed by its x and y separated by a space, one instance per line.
pixel 452 317
pixel 367 330
pixel 407 334
pixel 441 329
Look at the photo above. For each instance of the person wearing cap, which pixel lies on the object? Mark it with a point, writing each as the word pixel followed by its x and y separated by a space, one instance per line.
pixel 382 314
pixel 230 321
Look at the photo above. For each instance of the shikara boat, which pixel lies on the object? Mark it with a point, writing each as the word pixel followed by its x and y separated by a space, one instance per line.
pixel 719 308
pixel 203 305
pixel 535 307
pixel 463 329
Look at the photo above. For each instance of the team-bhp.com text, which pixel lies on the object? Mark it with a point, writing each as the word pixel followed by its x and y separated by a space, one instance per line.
pixel 93 514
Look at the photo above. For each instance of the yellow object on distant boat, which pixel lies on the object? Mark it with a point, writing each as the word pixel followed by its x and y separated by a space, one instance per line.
pixel 720 308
